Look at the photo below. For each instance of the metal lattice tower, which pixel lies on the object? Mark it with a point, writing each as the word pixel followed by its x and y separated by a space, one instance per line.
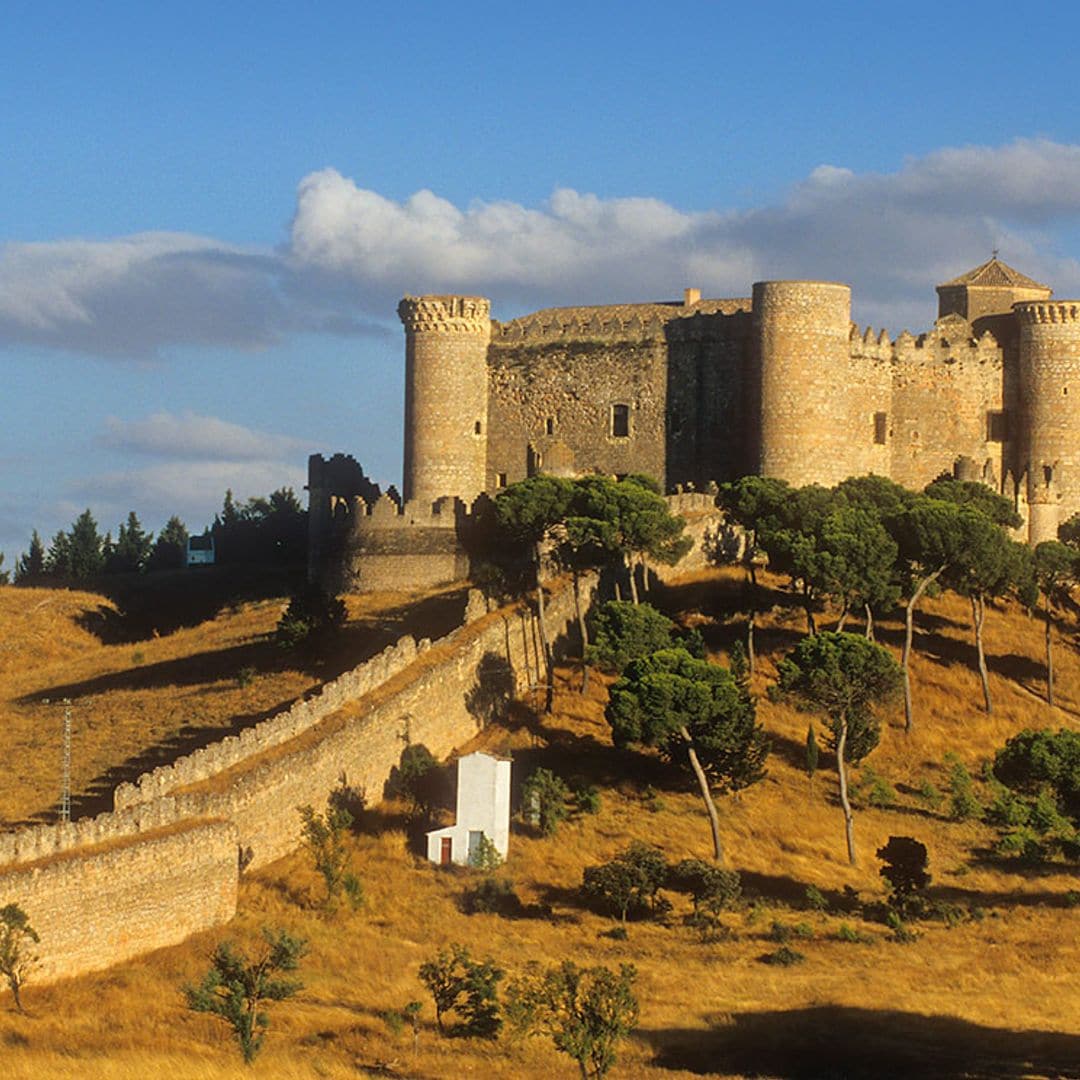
pixel 65 792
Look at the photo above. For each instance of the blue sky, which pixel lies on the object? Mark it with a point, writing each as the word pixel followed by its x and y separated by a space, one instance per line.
pixel 209 211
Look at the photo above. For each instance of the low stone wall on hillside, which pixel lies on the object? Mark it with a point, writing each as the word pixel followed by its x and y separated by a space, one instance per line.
pixel 164 864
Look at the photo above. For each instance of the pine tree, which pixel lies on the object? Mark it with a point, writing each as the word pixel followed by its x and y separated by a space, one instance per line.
pixel 170 549
pixel 31 565
pixel 86 557
pixel 133 547
pixel 58 559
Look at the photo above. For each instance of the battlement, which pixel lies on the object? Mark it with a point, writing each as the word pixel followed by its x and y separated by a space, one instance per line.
pixel 1031 312
pixel 445 314
pixel 622 322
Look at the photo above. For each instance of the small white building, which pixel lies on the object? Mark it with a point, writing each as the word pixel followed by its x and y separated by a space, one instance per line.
pixel 483 809
pixel 200 550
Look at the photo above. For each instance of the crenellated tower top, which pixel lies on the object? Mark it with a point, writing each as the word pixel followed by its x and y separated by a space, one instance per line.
pixel 446 314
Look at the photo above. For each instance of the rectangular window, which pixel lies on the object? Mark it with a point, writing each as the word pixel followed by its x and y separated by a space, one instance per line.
pixel 549 425
pixel 881 427
pixel 997 425
pixel 500 479
pixel 620 421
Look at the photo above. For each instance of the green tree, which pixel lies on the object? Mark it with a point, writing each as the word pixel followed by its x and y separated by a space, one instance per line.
pixel 420 780
pixel 844 676
pixel 696 714
pixel 526 513
pixel 905 862
pixel 976 496
pixel 468 987
pixel 237 986
pixel 623 632
pixel 755 503
pixel 1057 574
pixel 170 548
pixel 31 566
pixel 58 557
pixel 5 576
pixel 311 617
pixel 1034 760
pixel 325 836
pixel 132 548
pixel 17 955
pixel 585 1012
pixel 86 559
pixel 543 797
pixel 931 537
pixel 629 883
pixel 989 564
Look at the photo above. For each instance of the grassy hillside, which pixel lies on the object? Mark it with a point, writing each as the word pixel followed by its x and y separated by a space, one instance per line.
pixel 142 703
pixel 995 995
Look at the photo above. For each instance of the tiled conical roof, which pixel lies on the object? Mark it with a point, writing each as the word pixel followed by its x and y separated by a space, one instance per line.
pixel 995 273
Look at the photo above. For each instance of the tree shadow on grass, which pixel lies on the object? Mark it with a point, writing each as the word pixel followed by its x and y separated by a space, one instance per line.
pixel 848 1043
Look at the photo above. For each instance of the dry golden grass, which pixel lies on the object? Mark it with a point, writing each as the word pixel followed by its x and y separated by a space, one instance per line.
pixel 995 996
pixel 142 704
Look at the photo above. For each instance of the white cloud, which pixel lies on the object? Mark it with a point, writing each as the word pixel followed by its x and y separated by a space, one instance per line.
pixel 352 252
pixel 193 437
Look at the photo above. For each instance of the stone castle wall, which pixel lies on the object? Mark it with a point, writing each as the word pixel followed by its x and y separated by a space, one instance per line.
pixel 165 863
pixel 1050 387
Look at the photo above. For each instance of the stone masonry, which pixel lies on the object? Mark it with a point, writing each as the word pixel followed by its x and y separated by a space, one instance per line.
pixel 698 390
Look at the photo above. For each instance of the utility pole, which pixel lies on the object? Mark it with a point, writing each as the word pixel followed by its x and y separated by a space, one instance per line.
pixel 65 793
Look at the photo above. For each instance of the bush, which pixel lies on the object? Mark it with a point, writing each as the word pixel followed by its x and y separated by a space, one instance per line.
pixel 905 862
pixel 419 780
pixel 312 616
pixel 236 986
pixel 876 789
pixel 630 883
pixel 585 1012
pixel 469 988
pixel 929 796
pixel 900 933
pixel 783 957
pixel 17 955
pixel 851 936
pixel 815 899
pixel 486 855
pixel 622 632
pixel 324 837
pixel 491 896
pixel 782 933
pixel 963 803
pixel 543 799
pixel 586 798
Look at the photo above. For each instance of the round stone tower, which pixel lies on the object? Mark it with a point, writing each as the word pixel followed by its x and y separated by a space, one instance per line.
pixel 446 342
pixel 801 333
pixel 1050 412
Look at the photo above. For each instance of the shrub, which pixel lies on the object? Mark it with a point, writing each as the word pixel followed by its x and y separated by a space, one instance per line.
pixel 17 955
pixel 419 780
pixel 324 837
pixel 905 862
pixel 586 798
pixel 900 933
pixel 963 803
pixel 783 957
pixel 782 933
pixel 630 883
pixel 877 790
pixel 485 856
pixel 929 796
pixel 849 934
pixel 584 1011
pixel 236 986
pixel 312 615
pixel 543 798
pixel 815 899
pixel 491 896
pixel 466 987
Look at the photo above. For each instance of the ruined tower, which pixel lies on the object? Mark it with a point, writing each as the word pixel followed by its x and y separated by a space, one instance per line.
pixel 1050 418
pixel 801 331
pixel 446 393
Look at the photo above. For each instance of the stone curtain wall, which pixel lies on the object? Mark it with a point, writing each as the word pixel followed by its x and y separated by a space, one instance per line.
pixel 101 904
pixel 164 864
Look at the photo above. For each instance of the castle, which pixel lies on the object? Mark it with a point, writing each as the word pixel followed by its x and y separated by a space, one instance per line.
pixel 693 391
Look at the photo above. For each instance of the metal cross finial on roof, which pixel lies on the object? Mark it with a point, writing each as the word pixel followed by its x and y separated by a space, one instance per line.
pixel 995 255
